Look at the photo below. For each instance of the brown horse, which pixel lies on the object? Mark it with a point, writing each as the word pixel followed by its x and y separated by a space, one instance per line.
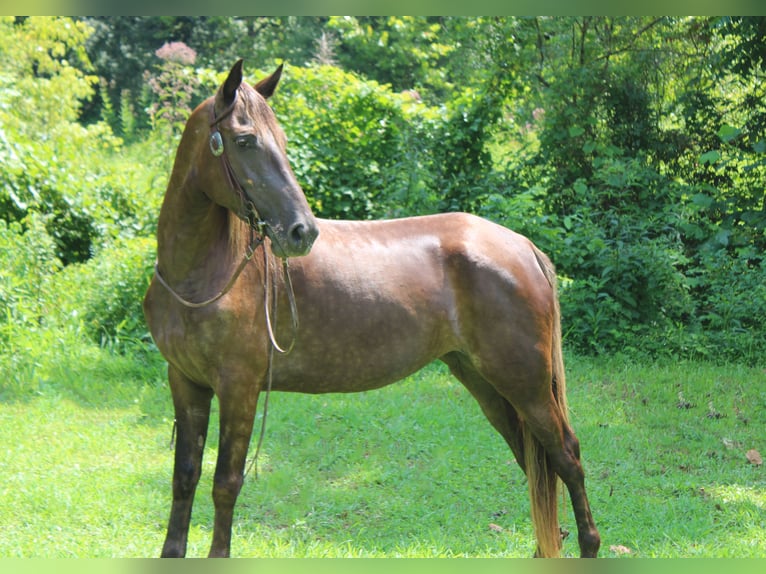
pixel 376 302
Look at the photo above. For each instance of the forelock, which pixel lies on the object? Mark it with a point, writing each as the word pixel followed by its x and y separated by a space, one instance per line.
pixel 256 107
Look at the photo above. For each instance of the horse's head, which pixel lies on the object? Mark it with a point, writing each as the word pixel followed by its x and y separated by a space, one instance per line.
pixel 253 177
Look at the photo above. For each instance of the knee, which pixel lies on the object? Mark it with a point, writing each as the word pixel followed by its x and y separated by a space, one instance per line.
pixel 226 489
pixel 185 480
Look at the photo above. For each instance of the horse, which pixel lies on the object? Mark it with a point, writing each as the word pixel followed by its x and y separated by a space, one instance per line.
pixel 372 302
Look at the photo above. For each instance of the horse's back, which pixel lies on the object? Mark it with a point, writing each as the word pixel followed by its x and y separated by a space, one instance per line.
pixel 457 233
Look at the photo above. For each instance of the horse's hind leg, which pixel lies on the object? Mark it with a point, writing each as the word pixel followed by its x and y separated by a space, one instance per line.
pixel 550 446
pixel 192 412
pixel 495 407
pixel 562 448
pixel 541 417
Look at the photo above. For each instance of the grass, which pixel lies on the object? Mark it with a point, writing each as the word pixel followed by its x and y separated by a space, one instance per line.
pixel 412 470
pixel 666 451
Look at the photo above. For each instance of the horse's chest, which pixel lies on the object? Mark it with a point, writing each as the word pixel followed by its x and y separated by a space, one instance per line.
pixel 201 342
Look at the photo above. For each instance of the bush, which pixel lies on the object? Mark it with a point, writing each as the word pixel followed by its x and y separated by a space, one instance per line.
pixel 27 303
pixel 52 164
pixel 105 294
pixel 356 147
pixel 27 267
pixel 731 295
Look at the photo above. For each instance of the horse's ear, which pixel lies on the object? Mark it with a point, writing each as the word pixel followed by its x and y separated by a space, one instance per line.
pixel 267 86
pixel 232 83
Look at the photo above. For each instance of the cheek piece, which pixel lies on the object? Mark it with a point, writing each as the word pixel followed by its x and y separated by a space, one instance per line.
pixel 217 149
pixel 216 143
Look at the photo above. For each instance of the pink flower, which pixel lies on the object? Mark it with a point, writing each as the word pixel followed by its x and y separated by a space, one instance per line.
pixel 176 52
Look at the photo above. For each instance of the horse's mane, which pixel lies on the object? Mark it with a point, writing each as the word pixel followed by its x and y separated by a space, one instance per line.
pixel 238 234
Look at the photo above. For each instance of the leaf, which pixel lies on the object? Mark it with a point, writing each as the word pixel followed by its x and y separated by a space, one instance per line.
pixel 494 527
pixel 754 457
pixel 580 187
pixel 620 549
pixel 575 131
pixel 728 133
pixel 702 200
pixel 722 237
pixel 710 157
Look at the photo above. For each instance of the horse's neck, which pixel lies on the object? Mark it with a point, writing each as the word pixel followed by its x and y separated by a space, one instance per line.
pixel 196 239
pixel 192 236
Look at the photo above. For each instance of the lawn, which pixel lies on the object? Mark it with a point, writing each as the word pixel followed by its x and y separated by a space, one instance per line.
pixel 412 470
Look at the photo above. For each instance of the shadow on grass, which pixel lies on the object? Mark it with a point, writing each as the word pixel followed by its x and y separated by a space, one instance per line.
pixel 60 366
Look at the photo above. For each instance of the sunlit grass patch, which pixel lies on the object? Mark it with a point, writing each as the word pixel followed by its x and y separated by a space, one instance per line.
pixel 411 470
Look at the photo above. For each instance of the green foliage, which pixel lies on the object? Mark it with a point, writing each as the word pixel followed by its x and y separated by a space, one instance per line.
pixel 53 161
pixel 462 161
pixel 106 292
pixel 402 51
pixel 632 150
pixel 646 181
pixel 621 246
pixel 99 299
pixel 730 292
pixel 44 71
pixel 350 142
pixel 172 87
pixel 69 193
pixel 28 302
pixel 27 266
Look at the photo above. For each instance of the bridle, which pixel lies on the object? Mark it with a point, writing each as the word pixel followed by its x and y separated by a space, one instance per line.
pixel 258 229
pixel 257 236
pixel 218 150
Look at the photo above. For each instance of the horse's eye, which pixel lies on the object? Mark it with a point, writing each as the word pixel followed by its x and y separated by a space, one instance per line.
pixel 247 141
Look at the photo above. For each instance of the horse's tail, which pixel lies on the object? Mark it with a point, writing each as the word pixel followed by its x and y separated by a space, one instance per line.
pixel 543 481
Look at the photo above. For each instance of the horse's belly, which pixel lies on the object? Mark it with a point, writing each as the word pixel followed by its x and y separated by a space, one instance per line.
pixel 347 376
pixel 348 354
pixel 368 317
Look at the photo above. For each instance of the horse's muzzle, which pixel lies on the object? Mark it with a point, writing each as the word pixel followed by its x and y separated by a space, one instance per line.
pixel 295 242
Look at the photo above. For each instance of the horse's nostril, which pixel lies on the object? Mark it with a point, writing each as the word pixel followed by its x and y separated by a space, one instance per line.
pixel 301 236
pixel 298 234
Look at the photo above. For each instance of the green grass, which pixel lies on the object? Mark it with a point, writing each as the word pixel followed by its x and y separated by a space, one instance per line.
pixel 666 451
pixel 412 470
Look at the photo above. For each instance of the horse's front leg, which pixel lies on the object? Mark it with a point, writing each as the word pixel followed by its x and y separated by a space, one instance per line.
pixel 237 411
pixel 192 412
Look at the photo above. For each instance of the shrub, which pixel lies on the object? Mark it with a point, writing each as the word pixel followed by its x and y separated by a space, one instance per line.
pixel 27 266
pixel 731 295
pixel 356 147
pixel 105 293
pixel 52 164
pixel 27 302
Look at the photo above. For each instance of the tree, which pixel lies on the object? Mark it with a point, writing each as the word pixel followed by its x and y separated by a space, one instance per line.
pixel 55 168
